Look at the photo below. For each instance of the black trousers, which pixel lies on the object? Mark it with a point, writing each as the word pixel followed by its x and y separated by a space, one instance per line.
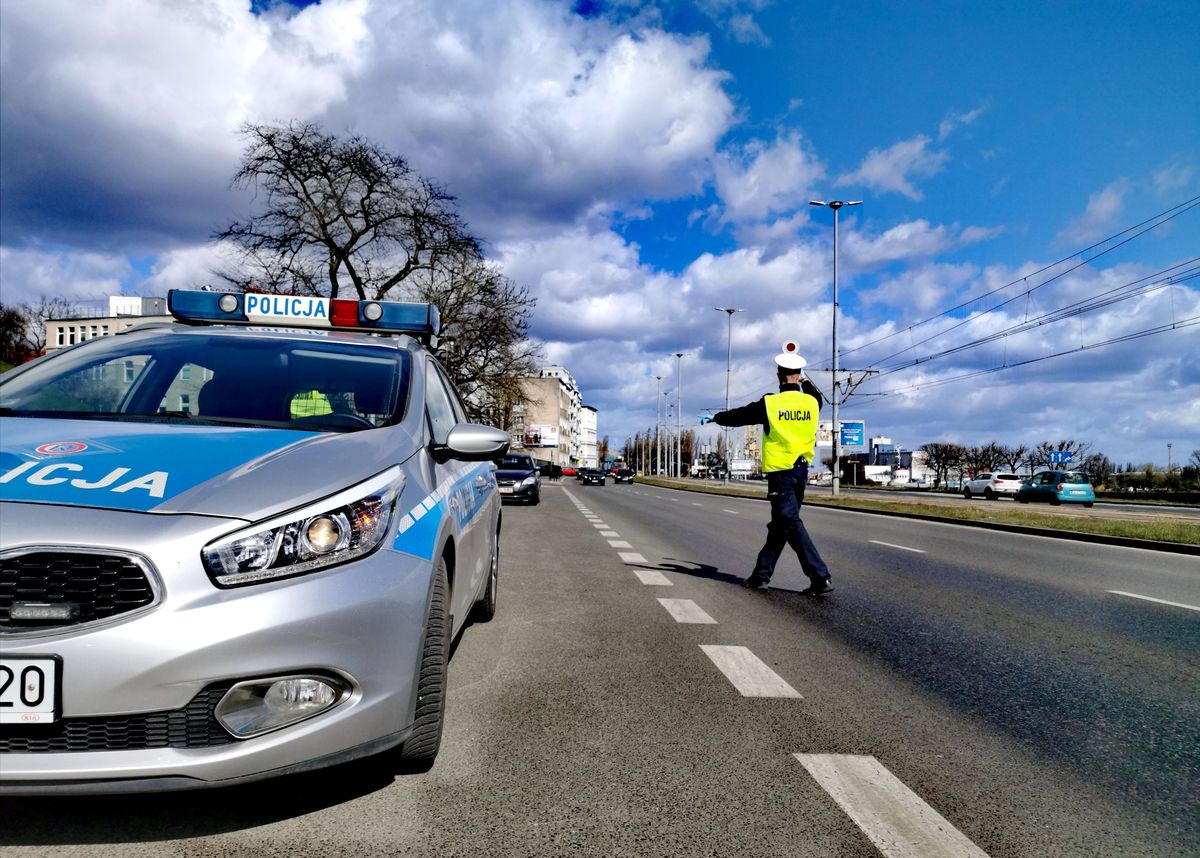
pixel 785 490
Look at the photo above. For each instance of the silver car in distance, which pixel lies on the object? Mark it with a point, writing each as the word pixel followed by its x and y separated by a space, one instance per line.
pixel 236 546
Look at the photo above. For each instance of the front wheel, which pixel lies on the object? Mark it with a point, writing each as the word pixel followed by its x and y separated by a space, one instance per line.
pixel 420 749
pixel 1022 499
pixel 989 494
pixel 967 493
pixel 1088 504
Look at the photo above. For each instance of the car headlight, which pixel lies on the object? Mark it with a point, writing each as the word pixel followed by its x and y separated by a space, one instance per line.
pixel 528 482
pixel 340 528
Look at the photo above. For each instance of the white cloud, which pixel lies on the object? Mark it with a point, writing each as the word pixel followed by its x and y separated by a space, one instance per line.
pixel 1103 212
pixel 763 179
pixel 1175 177
pixel 954 121
pixel 921 290
pixel 30 274
pixel 893 169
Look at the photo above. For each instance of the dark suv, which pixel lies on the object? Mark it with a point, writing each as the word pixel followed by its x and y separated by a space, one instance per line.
pixel 518 478
pixel 623 475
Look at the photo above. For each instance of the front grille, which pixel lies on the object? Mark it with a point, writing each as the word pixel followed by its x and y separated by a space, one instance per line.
pixel 99 586
pixel 193 726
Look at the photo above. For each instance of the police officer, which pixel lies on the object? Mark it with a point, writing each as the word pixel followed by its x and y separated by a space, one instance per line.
pixel 789 421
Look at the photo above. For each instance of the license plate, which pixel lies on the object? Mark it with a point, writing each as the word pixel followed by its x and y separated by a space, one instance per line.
pixel 506 490
pixel 29 689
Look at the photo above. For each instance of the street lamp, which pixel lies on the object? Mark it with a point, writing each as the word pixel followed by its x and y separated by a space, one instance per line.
pixel 837 429
pixel 658 426
pixel 679 414
pixel 729 311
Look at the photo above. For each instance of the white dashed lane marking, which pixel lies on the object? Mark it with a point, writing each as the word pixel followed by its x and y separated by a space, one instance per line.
pixel 686 611
pixel 652 577
pixel 1152 599
pixel 749 675
pixel 619 543
pixel 897 820
pixel 731 512
pixel 609 533
pixel 901 547
pixel 631 557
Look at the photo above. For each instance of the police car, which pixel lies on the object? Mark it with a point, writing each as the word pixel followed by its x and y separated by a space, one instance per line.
pixel 237 545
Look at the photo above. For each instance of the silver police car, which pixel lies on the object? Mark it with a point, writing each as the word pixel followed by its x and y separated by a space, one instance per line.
pixel 236 546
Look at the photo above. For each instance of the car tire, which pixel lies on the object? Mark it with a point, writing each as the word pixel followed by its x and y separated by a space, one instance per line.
pixel 1054 501
pixel 420 749
pixel 536 499
pixel 485 608
pixel 967 493
pixel 1087 504
pixel 989 494
pixel 1022 500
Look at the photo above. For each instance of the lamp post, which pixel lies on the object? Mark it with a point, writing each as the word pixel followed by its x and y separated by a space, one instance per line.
pixel 837 429
pixel 679 414
pixel 729 311
pixel 670 439
pixel 658 426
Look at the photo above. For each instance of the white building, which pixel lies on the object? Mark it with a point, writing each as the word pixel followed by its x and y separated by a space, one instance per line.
pixel 123 311
pixel 589 452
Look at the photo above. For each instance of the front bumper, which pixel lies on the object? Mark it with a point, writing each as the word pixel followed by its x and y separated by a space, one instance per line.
pixel 362 622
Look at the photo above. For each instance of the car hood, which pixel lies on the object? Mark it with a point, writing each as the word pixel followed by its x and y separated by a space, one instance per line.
pixel 225 471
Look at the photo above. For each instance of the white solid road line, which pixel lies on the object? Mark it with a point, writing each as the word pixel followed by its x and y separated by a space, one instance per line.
pixel 686 611
pixel 749 675
pixel 901 547
pixel 631 557
pixel 652 577
pixel 897 820
pixel 1152 599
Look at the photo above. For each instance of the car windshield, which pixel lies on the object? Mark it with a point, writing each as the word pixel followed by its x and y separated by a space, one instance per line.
pixel 515 463
pixel 1007 477
pixel 211 377
pixel 1075 478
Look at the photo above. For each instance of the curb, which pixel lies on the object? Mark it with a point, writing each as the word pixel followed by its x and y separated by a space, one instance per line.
pixel 1098 538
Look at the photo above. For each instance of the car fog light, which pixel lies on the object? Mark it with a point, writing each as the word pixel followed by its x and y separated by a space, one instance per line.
pixel 260 706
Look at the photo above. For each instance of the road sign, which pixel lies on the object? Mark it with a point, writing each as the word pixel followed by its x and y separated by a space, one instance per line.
pixel 853 433
pixel 1060 457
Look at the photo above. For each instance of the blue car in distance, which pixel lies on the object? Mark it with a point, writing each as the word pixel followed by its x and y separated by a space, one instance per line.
pixel 1057 487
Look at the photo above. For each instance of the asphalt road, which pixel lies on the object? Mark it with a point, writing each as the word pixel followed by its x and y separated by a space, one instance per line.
pixel 962 692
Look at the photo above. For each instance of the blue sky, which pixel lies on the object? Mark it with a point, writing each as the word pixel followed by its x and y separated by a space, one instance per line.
pixel 636 164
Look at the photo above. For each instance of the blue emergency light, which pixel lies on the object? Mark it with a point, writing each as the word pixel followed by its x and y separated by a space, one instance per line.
pixel 306 311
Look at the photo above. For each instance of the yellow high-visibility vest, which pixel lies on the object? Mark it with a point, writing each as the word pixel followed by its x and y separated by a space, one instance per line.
pixel 792 422
pixel 310 403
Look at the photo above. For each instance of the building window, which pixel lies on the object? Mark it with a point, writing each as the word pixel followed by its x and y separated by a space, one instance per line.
pixel 185 402
pixel 128 372
pixel 104 330
pixel 62 337
pixel 71 335
pixel 185 374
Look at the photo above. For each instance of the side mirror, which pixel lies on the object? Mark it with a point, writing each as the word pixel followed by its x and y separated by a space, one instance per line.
pixel 471 442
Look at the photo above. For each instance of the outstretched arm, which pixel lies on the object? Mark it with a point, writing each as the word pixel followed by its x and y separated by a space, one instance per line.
pixel 747 415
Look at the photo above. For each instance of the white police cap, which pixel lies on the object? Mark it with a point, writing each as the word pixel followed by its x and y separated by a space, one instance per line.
pixel 789 358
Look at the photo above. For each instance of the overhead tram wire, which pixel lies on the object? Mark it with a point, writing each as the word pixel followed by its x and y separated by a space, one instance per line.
pixel 1161 218
pixel 1161 329
pixel 1094 302
pixel 1031 290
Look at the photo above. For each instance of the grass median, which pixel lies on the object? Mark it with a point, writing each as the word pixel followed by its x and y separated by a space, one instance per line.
pixel 1167 531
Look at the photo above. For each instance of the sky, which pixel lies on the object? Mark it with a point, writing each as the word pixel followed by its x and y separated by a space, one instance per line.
pixel 1023 267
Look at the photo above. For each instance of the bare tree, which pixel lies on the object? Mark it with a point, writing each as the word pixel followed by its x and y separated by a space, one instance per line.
pixel 338 213
pixel 1014 457
pixel 943 457
pixel 485 348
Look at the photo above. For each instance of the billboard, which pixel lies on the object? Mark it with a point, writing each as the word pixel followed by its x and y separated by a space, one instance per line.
pixel 539 435
pixel 854 433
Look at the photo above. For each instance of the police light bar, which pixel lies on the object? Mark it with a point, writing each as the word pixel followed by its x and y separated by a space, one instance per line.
pixel 306 311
